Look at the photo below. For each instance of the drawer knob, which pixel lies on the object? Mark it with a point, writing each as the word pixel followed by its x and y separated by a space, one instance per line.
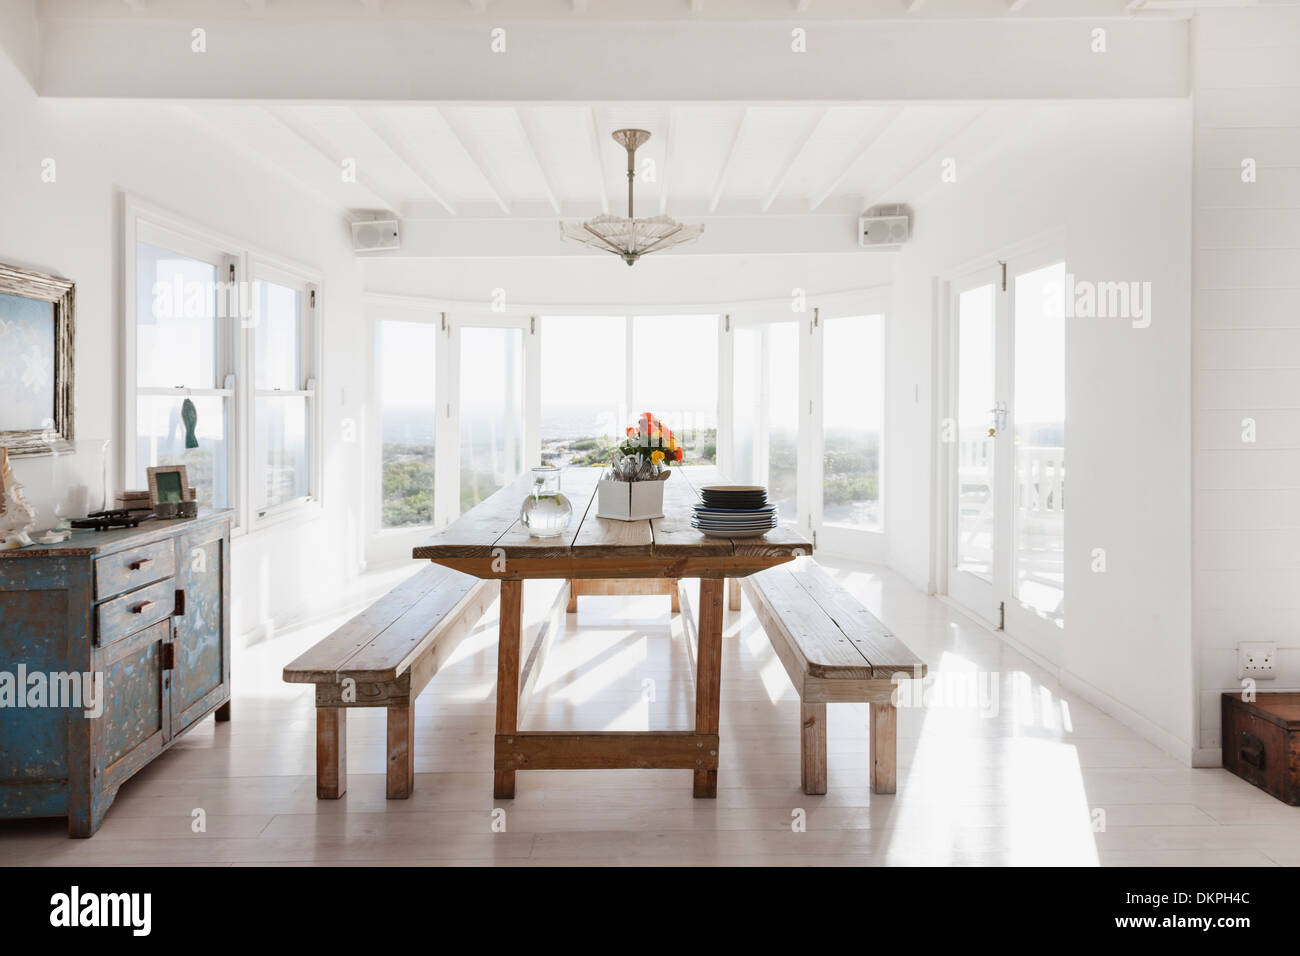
pixel 142 607
pixel 141 564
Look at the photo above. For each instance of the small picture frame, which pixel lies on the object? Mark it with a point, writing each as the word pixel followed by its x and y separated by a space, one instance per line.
pixel 169 483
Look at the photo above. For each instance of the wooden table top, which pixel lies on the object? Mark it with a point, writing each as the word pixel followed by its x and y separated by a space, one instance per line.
pixel 492 529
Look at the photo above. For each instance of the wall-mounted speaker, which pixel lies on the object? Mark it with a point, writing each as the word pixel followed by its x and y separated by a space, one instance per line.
pixel 374 234
pixel 883 230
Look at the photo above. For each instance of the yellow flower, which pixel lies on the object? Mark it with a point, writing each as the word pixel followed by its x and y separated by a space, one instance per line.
pixel 657 457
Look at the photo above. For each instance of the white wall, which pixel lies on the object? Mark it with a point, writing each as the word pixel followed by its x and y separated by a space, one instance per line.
pixel 73 227
pixel 1247 348
pixel 1115 178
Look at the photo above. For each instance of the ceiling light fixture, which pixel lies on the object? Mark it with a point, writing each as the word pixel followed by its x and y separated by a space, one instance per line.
pixel 630 238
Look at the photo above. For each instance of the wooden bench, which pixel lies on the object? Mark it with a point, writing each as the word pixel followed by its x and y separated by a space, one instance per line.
pixel 384 657
pixel 835 651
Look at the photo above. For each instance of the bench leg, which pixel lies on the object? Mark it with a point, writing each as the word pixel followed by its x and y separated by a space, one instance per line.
pixel 512 619
pixel 401 752
pixel 331 752
pixel 573 597
pixel 884 748
pixel 708 679
pixel 812 747
pixel 733 593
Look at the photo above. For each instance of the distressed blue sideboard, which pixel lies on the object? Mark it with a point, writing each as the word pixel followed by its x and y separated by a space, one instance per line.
pixel 144 613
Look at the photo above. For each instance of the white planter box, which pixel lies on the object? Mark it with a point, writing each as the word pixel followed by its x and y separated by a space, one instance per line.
pixel 630 500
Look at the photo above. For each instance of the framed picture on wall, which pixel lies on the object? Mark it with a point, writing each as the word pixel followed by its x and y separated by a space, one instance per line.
pixel 36 362
pixel 169 483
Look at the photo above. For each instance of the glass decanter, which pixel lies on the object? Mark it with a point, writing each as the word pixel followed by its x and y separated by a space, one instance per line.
pixel 546 512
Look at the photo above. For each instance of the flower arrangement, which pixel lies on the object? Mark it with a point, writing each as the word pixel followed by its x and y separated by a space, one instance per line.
pixel 652 439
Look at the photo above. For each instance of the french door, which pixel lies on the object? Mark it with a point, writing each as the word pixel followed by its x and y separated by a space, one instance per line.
pixel 454 416
pixel 803 402
pixel 1005 439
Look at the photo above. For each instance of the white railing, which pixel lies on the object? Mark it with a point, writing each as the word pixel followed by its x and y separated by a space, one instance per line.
pixel 1040 487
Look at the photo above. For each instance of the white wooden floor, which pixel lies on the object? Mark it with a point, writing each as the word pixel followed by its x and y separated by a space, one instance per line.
pixel 1019 783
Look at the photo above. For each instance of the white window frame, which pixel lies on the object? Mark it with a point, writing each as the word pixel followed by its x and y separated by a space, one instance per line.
pixel 264 268
pixel 239 261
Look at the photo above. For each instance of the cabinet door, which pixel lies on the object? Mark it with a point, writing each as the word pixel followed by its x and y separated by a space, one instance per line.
pixel 136 720
pixel 201 679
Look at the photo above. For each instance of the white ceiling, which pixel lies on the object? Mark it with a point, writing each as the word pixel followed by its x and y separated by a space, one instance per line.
pixel 553 161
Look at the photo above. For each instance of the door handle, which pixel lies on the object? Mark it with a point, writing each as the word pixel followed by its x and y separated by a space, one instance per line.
pixel 142 607
pixel 141 564
pixel 168 656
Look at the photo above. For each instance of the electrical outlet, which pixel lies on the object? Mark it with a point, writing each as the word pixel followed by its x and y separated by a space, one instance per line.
pixel 1257 660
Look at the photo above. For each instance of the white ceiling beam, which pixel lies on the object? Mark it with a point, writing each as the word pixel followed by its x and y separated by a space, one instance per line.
pixel 537 161
pixel 475 158
pixel 534 238
pixel 132 57
pixel 308 135
pixel 784 175
pixel 374 122
pixel 593 143
pixel 725 172
pixel 670 143
pixel 855 157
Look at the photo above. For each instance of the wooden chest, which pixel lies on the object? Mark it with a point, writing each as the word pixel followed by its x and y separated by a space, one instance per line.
pixel 112 644
pixel 1261 742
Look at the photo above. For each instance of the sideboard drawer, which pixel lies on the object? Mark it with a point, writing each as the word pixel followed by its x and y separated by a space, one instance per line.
pixel 123 616
pixel 116 573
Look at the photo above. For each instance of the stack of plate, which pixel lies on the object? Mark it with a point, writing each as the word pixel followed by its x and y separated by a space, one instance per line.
pixel 734 511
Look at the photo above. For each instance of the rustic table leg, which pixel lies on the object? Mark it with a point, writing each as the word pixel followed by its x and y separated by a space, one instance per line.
pixel 708 683
pixel 401 752
pixel 884 748
pixel 512 619
pixel 331 752
pixel 812 747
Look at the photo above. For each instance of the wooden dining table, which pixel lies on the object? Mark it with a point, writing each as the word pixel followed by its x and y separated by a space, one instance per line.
pixel 490 542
